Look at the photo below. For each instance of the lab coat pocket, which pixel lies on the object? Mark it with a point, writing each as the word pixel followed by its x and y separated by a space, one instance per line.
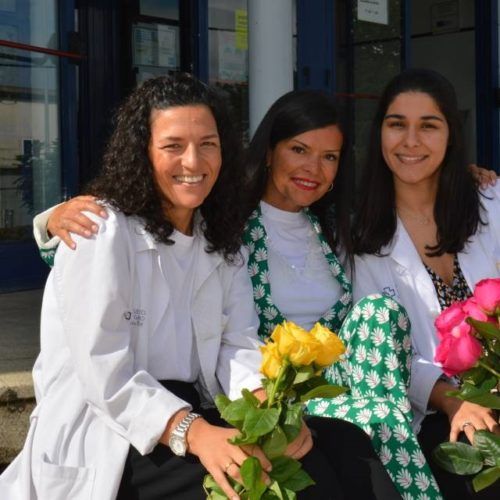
pixel 60 482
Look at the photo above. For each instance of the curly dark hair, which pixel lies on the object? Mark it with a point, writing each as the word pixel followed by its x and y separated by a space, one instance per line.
pixel 292 114
pixel 458 205
pixel 126 181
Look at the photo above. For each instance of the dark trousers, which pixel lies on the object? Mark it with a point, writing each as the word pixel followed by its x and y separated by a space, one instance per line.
pixel 163 475
pixel 350 453
pixel 435 430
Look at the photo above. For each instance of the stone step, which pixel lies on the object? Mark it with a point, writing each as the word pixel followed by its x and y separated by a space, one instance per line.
pixel 17 400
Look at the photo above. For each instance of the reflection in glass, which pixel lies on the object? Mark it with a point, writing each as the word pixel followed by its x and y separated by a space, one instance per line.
pixel 228 53
pixel 30 174
pixel 31 23
pixel 166 9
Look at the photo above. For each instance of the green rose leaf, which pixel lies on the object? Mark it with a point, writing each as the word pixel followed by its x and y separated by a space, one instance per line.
pixel 324 391
pixel 486 478
pixel 481 394
pixel 250 398
pixel 251 473
pixel 275 444
pixel 213 490
pixel 284 468
pixel 259 422
pixel 487 330
pixel 298 482
pixel 221 402
pixel 292 423
pixel 475 375
pixel 303 374
pixel 235 412
pixel 489 445
pixel 458 458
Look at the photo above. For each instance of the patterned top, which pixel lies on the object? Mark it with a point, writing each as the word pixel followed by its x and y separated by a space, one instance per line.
pixel 255 239
pixel 458 291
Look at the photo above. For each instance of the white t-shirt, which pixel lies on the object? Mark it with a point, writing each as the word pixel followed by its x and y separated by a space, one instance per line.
pixel 177 358
pixel 302 285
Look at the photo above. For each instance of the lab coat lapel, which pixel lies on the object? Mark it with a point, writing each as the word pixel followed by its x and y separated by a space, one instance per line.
pixel 410 264
pixel 154 300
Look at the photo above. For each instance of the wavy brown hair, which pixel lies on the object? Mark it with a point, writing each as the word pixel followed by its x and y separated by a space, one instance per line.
pixel 126 180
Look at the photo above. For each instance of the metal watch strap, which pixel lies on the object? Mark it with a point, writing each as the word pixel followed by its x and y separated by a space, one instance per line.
pixel 184 424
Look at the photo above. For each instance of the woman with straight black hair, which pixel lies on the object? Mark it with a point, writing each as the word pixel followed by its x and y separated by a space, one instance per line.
pixel 425 234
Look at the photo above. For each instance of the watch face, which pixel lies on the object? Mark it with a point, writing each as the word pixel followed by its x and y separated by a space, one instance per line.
pixel 177 446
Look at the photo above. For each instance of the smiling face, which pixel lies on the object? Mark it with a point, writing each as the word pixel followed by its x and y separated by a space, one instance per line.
pixel 185 153
pixel 302 168
pixel 414 138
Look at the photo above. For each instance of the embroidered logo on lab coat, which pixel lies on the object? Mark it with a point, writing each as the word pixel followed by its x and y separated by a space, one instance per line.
pixel 136 316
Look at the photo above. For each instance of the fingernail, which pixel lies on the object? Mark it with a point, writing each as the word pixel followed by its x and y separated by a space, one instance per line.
pixel 72 246
pixel 104 214
pixel 95 228
pixel 87 232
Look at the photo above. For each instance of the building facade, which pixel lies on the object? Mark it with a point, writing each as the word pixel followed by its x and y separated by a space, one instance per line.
pixel 65 66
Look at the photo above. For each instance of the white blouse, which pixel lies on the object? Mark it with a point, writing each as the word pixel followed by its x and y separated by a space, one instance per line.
pixel 302 285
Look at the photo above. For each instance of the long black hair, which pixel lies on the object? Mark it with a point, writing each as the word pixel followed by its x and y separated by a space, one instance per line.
pixel 292 114
pixel 457 207
pixel 127 182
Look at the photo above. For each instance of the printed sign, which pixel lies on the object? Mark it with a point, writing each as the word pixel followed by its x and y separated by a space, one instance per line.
pixel 373 11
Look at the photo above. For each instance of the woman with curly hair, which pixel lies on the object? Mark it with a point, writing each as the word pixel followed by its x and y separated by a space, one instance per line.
pixel 148 320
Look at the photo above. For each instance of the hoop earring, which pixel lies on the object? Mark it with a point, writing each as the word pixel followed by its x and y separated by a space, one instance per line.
pixel 330 188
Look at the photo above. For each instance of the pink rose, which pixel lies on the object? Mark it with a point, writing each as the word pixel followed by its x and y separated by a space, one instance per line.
pixel 471 309
pixel 450 317
pixel 487 295
pixel 458 350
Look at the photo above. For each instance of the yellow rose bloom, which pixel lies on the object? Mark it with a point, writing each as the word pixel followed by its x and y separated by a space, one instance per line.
pixel 297 344
pixel 331 347
pixel 271 360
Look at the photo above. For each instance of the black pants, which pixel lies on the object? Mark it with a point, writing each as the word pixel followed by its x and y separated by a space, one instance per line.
pixel 350 453
pixel 342 455
pixel 435 430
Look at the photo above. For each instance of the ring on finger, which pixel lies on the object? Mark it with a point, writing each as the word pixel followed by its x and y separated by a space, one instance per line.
pixel 226 468
pixel 465 424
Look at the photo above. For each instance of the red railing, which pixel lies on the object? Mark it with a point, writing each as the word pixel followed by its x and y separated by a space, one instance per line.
pixel 42 50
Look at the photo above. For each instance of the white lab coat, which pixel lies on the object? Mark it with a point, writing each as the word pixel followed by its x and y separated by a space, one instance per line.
pixel 401 275
pixel 95 397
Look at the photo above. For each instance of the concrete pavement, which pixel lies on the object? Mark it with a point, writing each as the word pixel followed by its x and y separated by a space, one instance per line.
pixel 19 346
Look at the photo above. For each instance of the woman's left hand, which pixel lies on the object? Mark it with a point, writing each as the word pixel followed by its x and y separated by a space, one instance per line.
pixel 301 445
pixel 469 418
pixel 483 176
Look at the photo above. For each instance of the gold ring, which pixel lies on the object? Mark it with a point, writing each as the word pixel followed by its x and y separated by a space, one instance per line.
pixel 465 424
pixel 226 468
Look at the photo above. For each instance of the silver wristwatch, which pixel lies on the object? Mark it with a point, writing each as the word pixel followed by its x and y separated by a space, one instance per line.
pixel 177 440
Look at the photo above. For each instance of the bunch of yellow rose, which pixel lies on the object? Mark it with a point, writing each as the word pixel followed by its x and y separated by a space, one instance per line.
pixel 293 359
pixel 292 343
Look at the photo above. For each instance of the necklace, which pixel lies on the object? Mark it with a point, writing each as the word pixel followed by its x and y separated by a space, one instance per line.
pixel 421 219
pixel 255 239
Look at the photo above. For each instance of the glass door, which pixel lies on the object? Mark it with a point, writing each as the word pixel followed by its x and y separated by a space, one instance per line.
pixel 30 142
pixel 371 45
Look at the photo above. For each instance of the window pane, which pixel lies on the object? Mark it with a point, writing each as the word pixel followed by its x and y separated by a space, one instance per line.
pixel 228 53
pixel 167 9
pixel 30 174
pixel 32 23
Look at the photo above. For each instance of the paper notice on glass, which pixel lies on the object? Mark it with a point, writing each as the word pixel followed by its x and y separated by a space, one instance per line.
pixel 168 47
pixel 232 61
pixel 145 45
pixel 373 11
pixel 241 28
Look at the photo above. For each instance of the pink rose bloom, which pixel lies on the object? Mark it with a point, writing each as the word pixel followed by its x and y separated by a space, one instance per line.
pixel 487 295
pixel 471 309
pixel 458 350
pixel 450 317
